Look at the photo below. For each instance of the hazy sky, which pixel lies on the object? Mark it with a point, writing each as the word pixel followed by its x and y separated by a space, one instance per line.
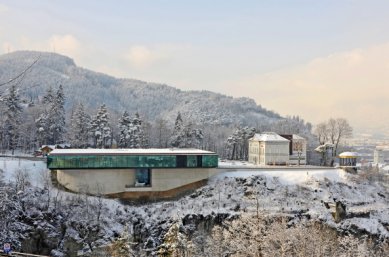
pixel 315 58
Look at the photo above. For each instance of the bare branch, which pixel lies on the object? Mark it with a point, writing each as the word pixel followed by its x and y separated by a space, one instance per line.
pixel 22 74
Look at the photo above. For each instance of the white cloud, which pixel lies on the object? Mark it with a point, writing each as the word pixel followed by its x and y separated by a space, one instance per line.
pixel 142 57
pixel 350 84
pixel 64 44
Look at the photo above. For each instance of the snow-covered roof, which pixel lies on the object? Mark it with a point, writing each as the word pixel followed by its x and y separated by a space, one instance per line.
pixel 297 137
pixel 151 151
pixel 49 146
pixel 349 155
pixel 269 137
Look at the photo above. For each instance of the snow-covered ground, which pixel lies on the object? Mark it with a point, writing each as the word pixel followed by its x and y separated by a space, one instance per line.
pixel 289 176
pixel 35 170
pixel 234 191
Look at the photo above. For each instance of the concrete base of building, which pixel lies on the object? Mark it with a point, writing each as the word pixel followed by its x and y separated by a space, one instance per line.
pixel 145 196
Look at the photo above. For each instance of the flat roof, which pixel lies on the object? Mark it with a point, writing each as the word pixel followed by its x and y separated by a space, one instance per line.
pixel 150 151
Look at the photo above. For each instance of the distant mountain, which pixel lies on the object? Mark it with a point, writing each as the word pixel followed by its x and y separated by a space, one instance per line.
pixel 151 100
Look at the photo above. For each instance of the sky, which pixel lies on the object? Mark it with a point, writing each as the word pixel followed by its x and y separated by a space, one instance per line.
pixel 313 58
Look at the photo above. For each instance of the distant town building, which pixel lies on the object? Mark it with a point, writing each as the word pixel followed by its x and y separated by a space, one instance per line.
pixel 381 154
pixel 269 148
pixel 132 173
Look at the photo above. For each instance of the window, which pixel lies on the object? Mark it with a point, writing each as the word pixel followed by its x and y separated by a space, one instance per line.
pixel 142 178
pixel 199 161
pixel 209 161
pixel 130 161
pixel 191 161
pixel 181 161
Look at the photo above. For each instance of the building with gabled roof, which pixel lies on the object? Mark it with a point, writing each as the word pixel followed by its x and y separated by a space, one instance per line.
pixel 268 148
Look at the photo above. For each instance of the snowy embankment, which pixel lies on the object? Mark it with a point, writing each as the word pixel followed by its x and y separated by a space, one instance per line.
pixel 297 193
pixel 291 190
pixel 34 170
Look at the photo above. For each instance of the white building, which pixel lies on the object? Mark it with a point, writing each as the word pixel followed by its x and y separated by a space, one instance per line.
pixel 268 148
pixel 381 154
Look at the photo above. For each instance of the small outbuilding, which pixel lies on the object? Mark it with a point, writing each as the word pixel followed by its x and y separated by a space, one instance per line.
pixel 348 161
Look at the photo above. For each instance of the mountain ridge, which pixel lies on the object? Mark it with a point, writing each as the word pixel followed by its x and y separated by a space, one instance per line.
pixel 152 100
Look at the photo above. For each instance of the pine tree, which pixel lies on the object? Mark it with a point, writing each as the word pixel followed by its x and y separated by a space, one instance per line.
pixel 177 138
pixel 100 129
pixel 51 123
pixel 185 136
pixel 237 144
pixel 49 97
pixel 57 117
pixel 131 132
pixel 135 132
pixel 79 127
pixel 124 127
pixel 42 132
pixel 12 122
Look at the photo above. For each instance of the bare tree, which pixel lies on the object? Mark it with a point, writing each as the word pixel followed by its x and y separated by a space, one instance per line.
pixel 21 179
pixel 333 132
pixel 342 130
pixel 321 132
pixel 99 201
pixel 46 179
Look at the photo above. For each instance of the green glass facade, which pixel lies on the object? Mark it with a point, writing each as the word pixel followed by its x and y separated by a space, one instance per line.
pixel 130 161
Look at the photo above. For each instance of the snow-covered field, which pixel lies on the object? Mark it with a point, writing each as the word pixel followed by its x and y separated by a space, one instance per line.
pixel 35 170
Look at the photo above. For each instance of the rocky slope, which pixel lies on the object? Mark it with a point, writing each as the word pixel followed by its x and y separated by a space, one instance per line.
pixel 217 217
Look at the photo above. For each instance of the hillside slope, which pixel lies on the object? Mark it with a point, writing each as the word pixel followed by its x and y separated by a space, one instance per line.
pixel 150 99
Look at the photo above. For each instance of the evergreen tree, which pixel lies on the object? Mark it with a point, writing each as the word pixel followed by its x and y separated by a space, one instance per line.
pixel 13 112
pixel 177 138
pixel 51 123
pixel 100 129
pixel 124 128
pixel 137 135
pixel 49 97
pixel 42 129
pixel 185 136
pixel 79 127
pixel 237 144
pixel 131 132
pixel 57 117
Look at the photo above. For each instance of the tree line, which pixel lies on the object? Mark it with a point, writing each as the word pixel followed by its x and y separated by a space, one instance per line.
pixel 27 125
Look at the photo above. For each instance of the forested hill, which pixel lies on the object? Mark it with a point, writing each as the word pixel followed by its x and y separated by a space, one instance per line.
pixel 151 100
